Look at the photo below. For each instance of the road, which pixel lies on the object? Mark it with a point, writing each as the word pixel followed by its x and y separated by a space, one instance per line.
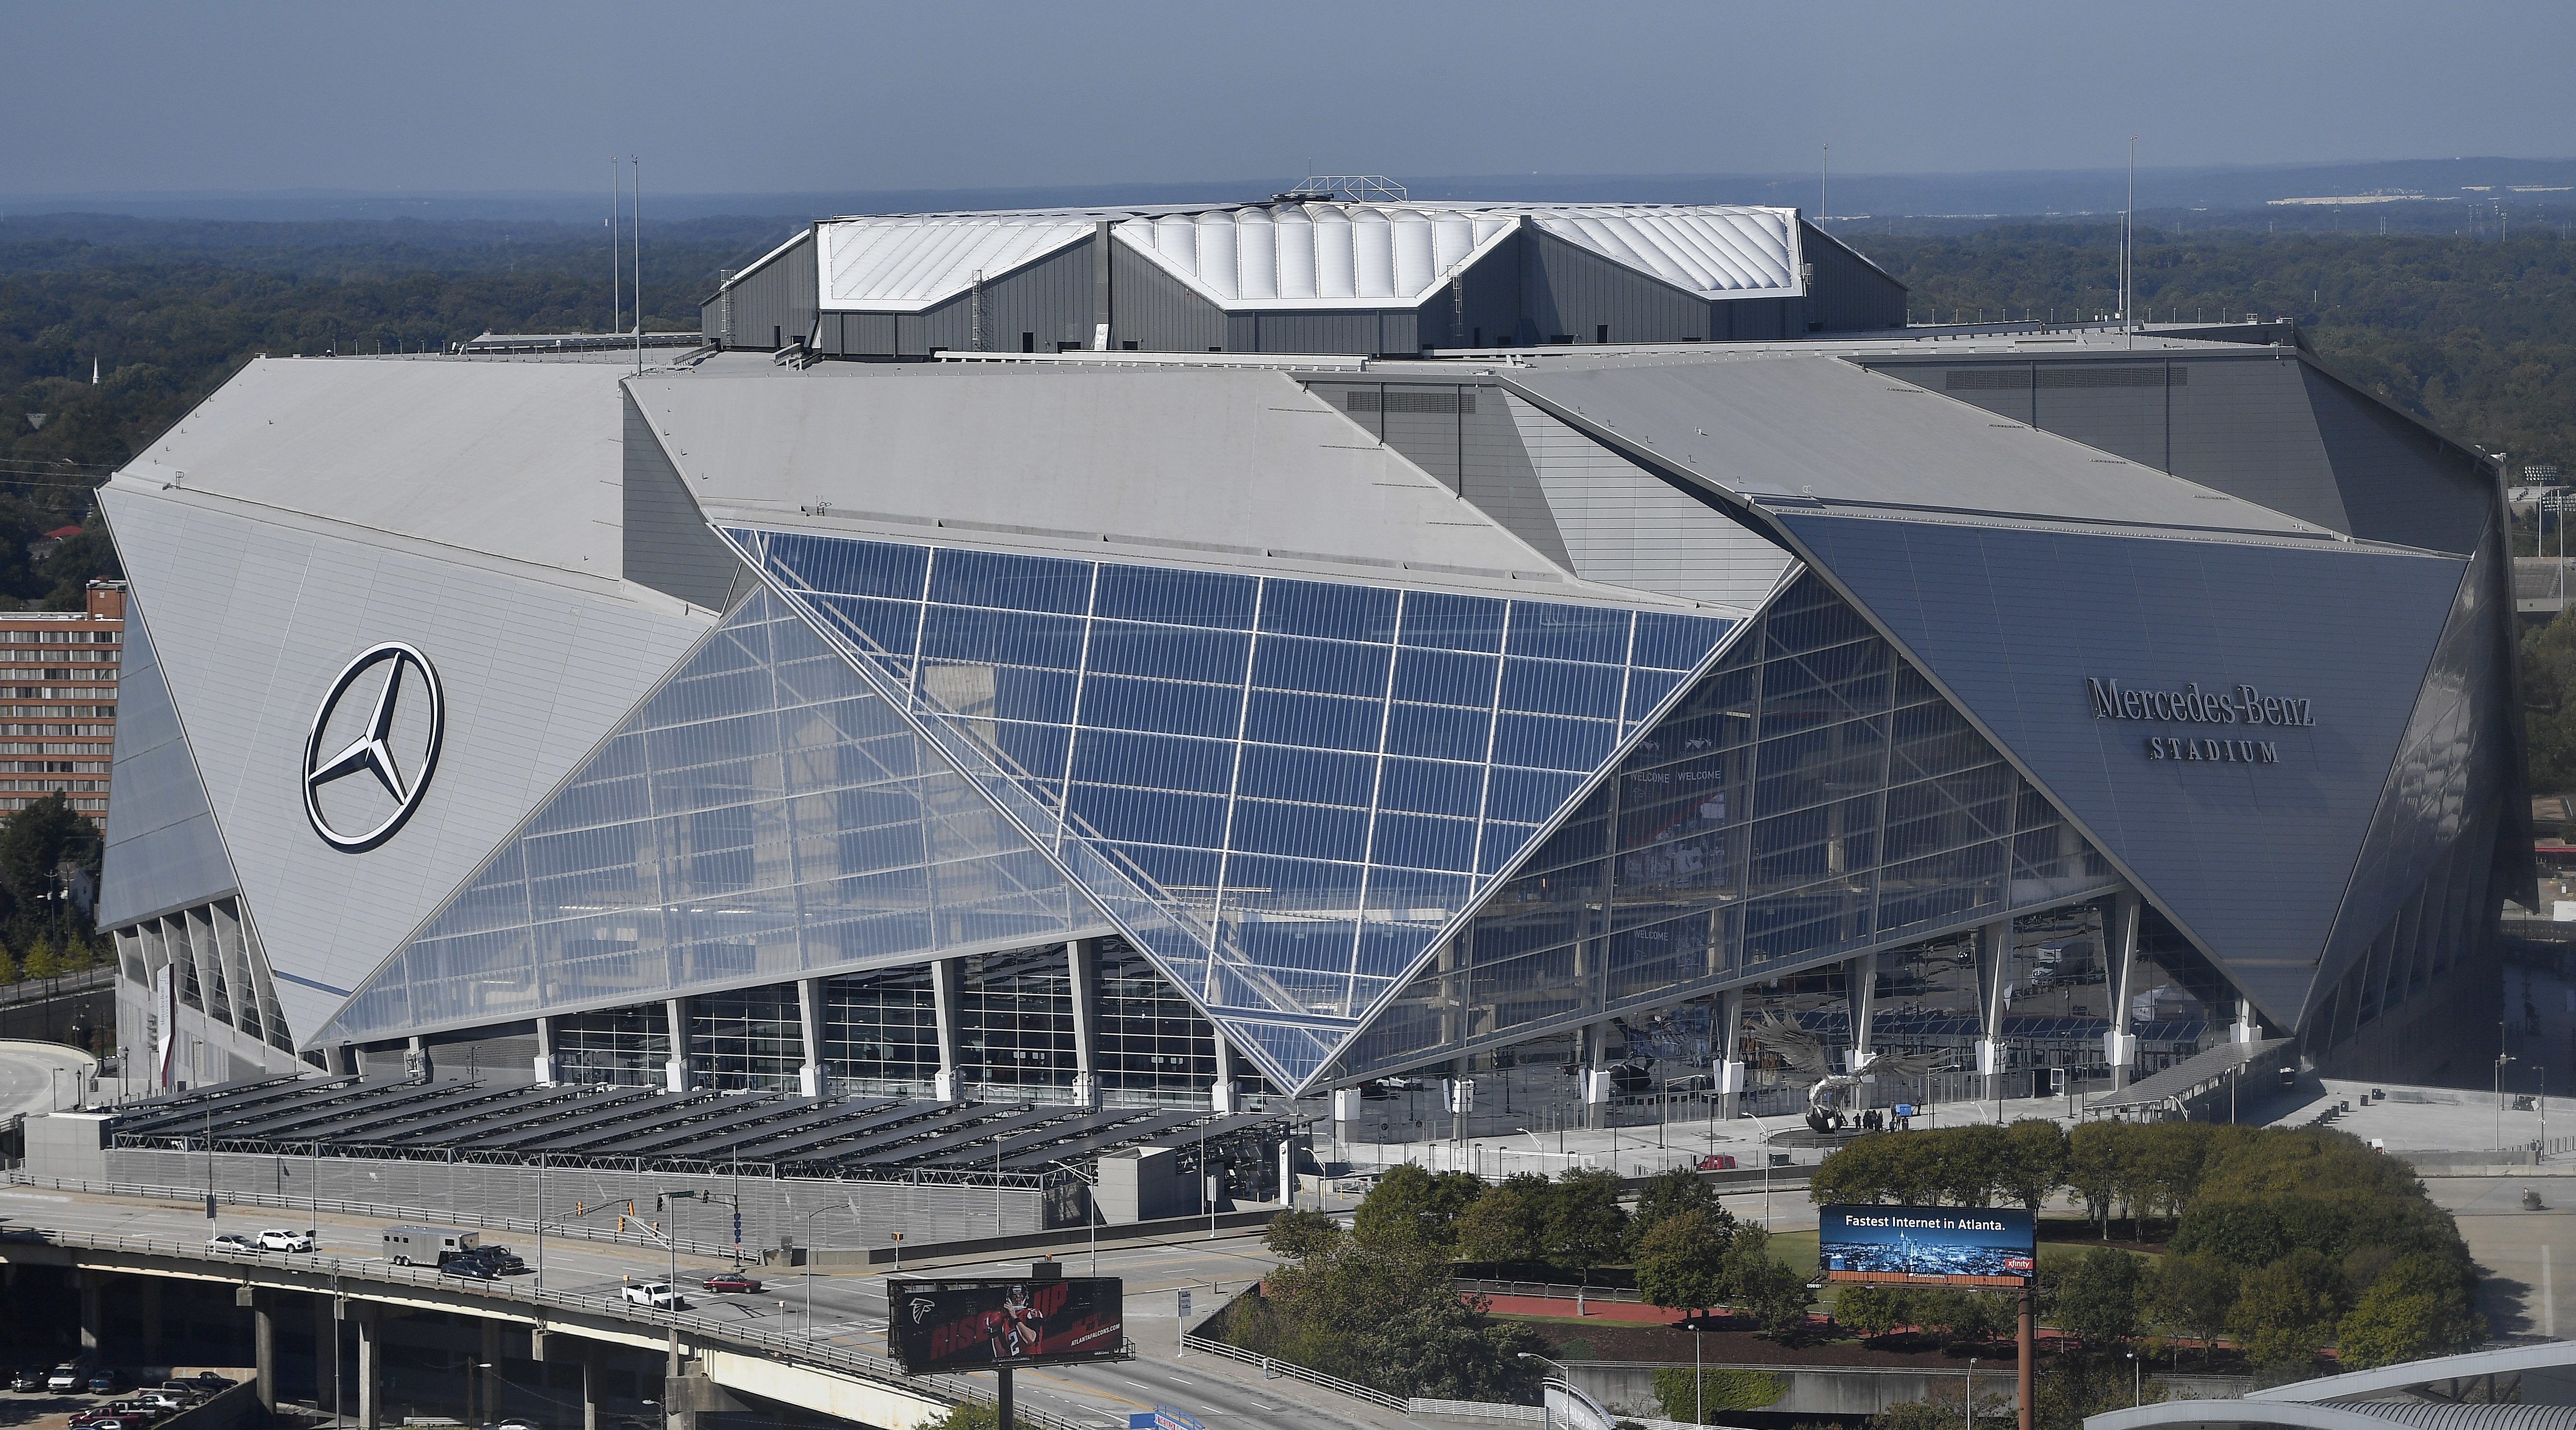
pixel 848 1309
pixel 30 1075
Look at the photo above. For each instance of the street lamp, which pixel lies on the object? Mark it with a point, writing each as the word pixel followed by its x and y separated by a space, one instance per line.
pixel 1546 1416
pixel 1091 1218
pixel 1972 1393
pixel 2502 1058
pixel 2137 1382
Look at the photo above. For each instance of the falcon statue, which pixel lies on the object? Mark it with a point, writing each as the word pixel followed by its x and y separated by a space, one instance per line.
pixel 1828 1095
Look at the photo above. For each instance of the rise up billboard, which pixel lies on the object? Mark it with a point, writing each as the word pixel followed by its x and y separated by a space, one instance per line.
pixel 984 1323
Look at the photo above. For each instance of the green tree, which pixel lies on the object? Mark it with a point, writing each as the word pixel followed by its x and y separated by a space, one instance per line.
pixel 2080 1384
pixel 87 557
pixel 2097 1167
pixel 2097 1297
pixel 1586 1227
pixel 2417 1308
pixel 1870 1312
pixel 1681 1260
pixel 2190 1294
pixel 2286 1311
pixel 1968 1161
pixel 2034 1162
pixel 1383 1310
pixel 1299 1234
pixel 1507 1224
pixel 36 843
pixel 1773 1292
pixel 9 972
pixel 971 1415
pixel 40 961
pixel 1670 1193
pixel 1411 1204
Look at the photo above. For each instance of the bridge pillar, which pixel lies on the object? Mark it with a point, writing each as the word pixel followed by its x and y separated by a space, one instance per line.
pixel 590 1377
pixel 263 1343
pixel 326 1356
pixel 488 1372
pixel 89 1286
pixel 148 1300
pixel 370 1367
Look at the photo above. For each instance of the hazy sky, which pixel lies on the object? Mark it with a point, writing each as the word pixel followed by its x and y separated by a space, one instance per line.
pixel 769 97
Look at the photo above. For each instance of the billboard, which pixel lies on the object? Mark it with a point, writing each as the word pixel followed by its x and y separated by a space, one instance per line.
pixel 985 1322
pixel 1949 1246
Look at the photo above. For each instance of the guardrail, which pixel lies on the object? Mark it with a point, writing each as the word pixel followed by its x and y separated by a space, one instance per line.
pixel 795 1350
pixel 1551 1291
pixel 430 1216
pixel 1272 1366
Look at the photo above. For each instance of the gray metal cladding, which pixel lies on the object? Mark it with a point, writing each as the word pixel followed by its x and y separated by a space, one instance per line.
pixel 2456 756
pixel 1150 308
pixel 254 618
pixel 1618 522
pixel 2235 424
pixel 1847 293
pixel 769 307
pixel 1571 295
pixel 163 851
pixel 2400 481
pixel 667 544
pixel 1047 303
pixel 2242 426
pixel 2250 846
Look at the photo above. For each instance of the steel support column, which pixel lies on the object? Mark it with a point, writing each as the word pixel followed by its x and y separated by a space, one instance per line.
pixel 1083 970
pixel 1994 976
pixel 944 1010
pixel 675 1024
pixel 2120 949
pixel 809 1024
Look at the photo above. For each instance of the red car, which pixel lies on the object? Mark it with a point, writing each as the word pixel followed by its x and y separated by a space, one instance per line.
pixel 1717 1163
pixel 730 1281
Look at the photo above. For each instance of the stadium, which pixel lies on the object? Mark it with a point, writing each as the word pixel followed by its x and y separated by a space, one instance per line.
pixel 1170 656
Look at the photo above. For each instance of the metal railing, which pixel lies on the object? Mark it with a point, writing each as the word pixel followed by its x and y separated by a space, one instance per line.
pixel 1273 1366
pixel 792 1349
pixel 438 1216
pixel 1551 1290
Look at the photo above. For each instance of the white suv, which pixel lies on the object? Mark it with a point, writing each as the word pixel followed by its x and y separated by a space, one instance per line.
pixel 657 1294
pixel 280 1239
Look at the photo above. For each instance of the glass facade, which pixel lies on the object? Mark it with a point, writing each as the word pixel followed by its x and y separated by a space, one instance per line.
pixel 1809 798
pixel 746 1039
pixel 622 1046
pixel 1015 1019
pixel 1152 1040
pixel 762 815
pixel 881 1032
pixel 1283 789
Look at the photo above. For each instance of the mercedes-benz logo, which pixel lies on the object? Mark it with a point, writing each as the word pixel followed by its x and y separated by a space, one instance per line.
pixel 398 744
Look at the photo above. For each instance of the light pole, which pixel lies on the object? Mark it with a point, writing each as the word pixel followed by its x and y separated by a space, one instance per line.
pixel 1545 1416
pixel 1972 1393
pixel 2502 1058
pixel 2137 1382
pixel 1092 1206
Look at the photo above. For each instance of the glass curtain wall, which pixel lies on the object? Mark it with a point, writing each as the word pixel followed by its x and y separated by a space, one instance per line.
pixel 746 1039
pixel 881 1032
pixel 1152 1040
pixel 1284 788
pixel 1015 1018
pixel 762 815
pixel 1811 797
pixel 623 1047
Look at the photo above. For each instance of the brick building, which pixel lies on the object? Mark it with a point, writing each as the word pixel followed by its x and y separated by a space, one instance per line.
pixel 58 701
